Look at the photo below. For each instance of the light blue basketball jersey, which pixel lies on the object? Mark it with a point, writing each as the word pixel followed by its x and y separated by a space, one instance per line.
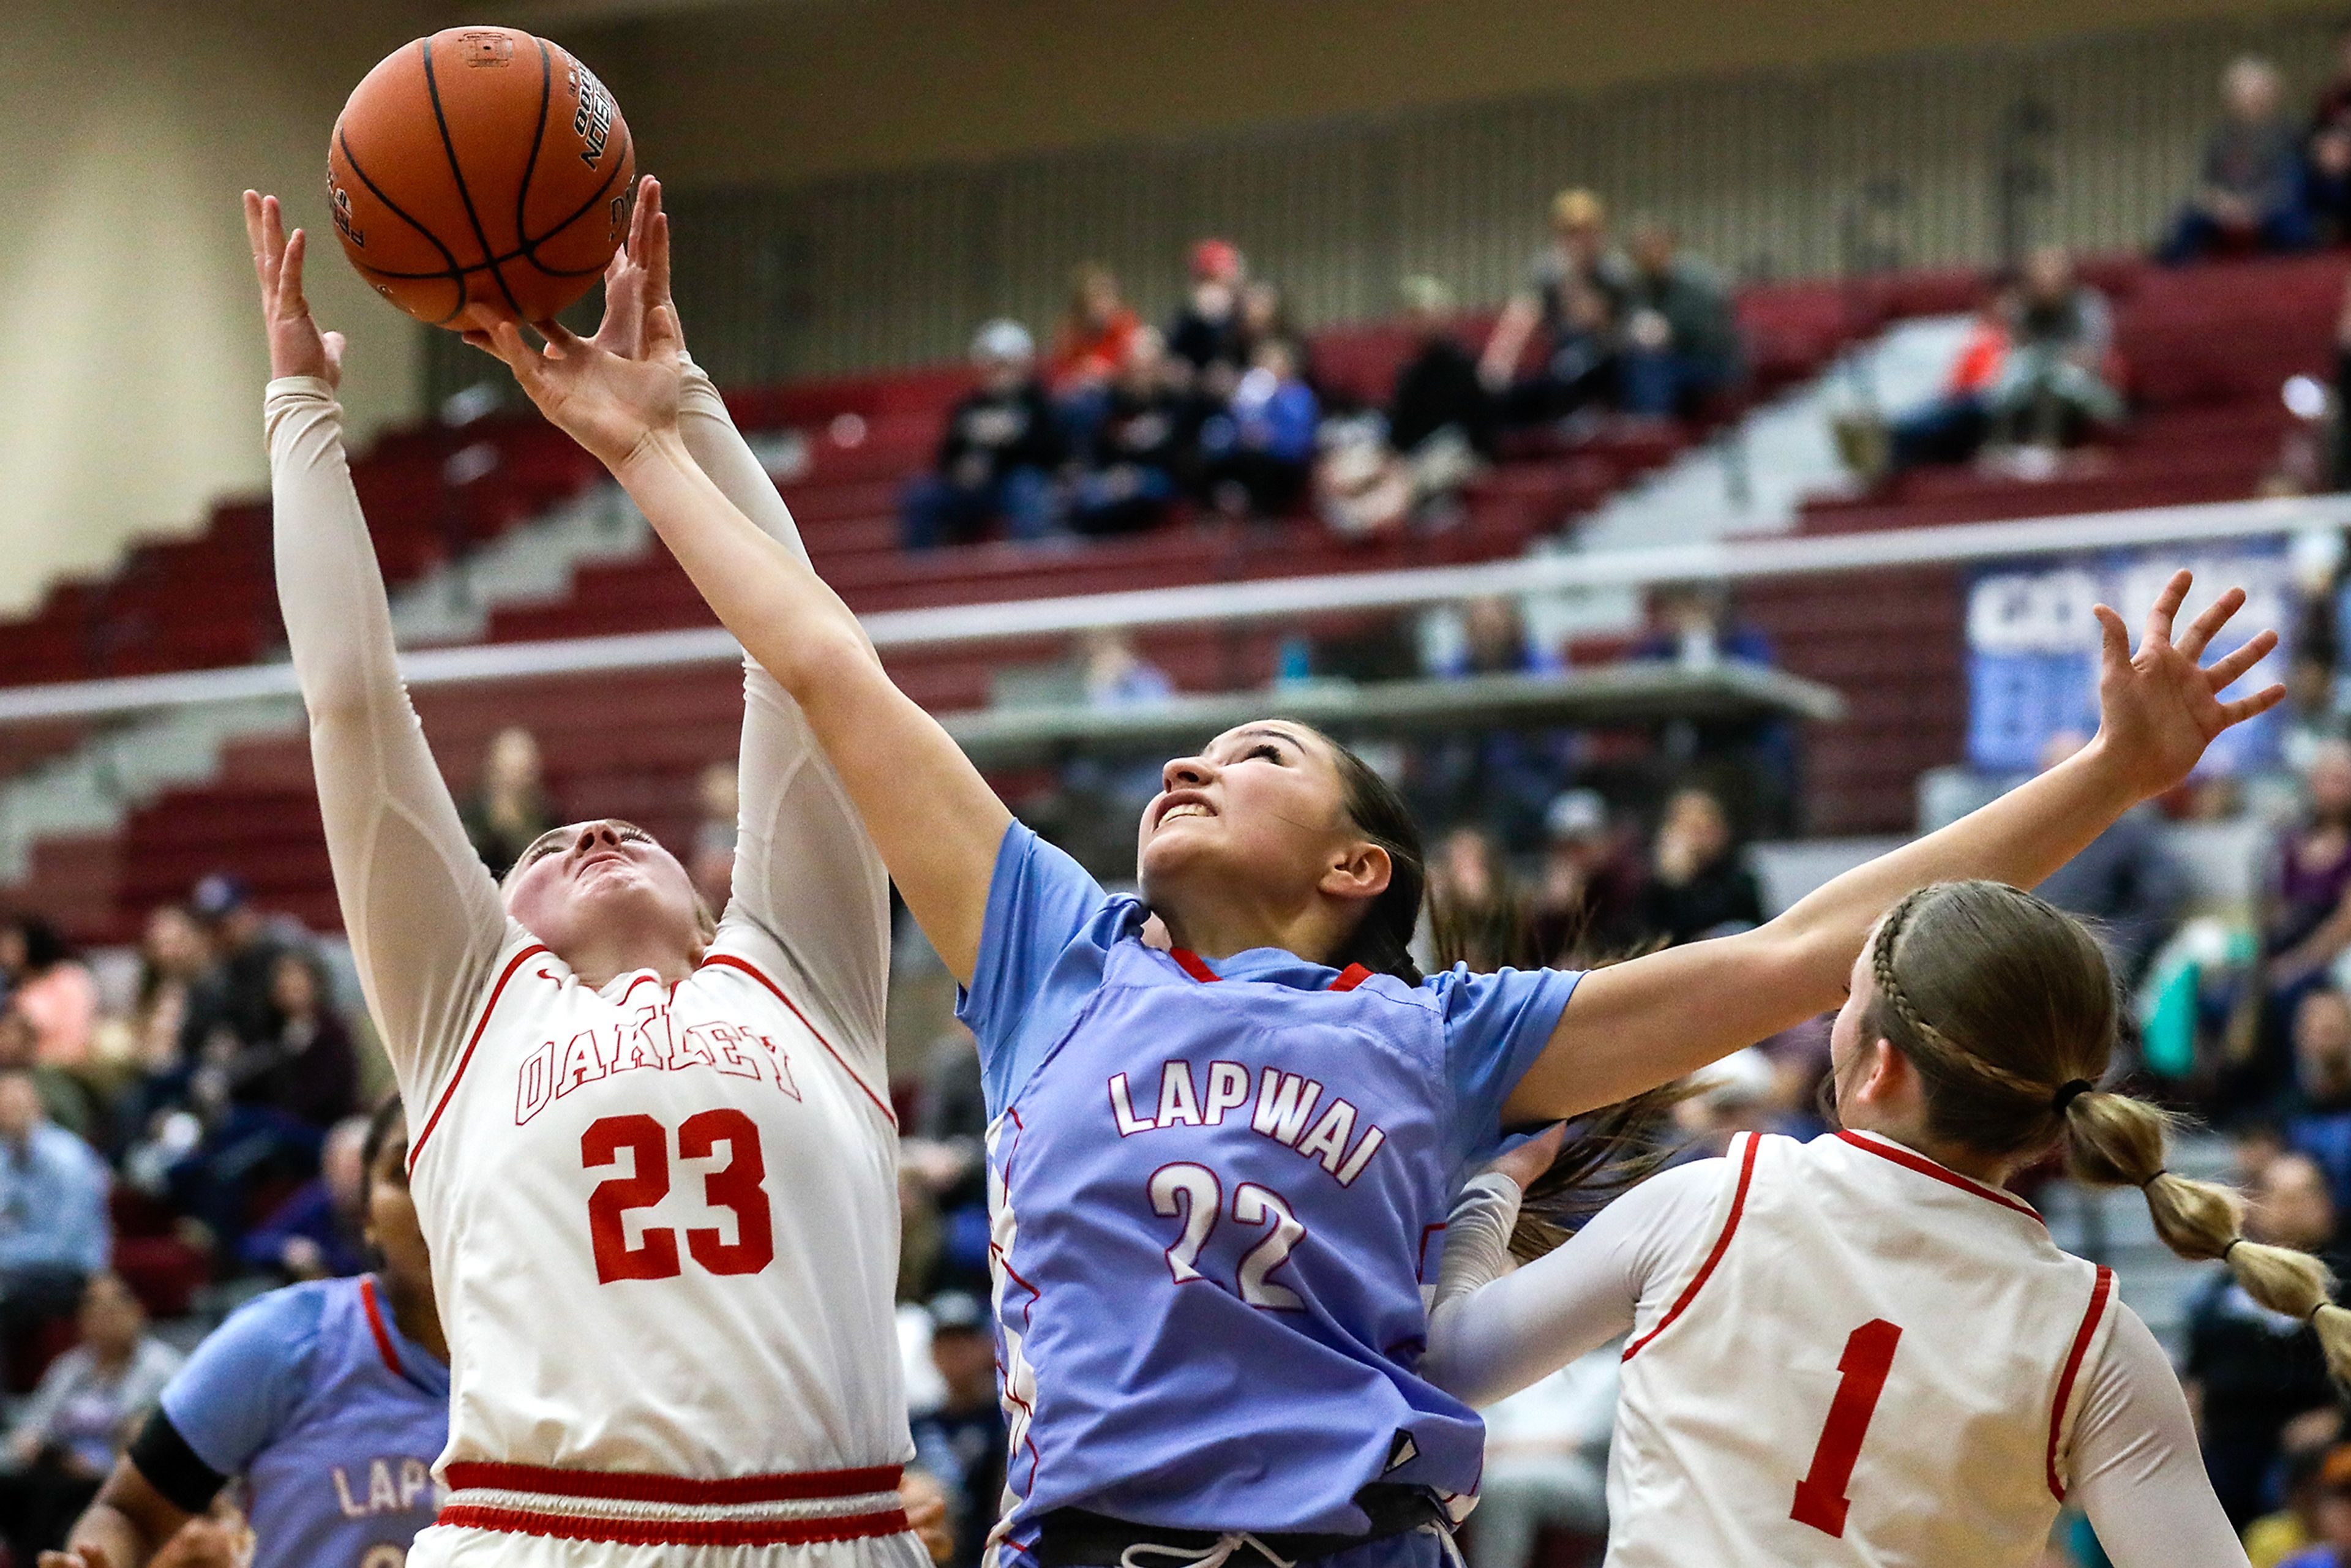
pixel 332 1416
pixel 1218 1191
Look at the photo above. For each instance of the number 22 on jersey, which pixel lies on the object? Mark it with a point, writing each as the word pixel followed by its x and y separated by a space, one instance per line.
pixel 1194 1192
pixel 736 1185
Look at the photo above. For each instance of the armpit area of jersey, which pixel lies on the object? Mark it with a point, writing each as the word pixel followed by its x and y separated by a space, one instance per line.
pixel 172 1468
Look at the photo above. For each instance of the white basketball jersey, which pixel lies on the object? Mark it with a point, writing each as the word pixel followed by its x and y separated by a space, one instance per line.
pixel 1868 1359
pixel 663 1223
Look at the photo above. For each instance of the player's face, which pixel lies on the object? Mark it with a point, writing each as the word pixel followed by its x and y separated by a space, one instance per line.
pixel 1260 807
pixel 391 1225
pixel 578 882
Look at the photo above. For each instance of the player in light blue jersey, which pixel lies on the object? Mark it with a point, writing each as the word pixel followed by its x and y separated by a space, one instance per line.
pixel 329 1399
pixel 1225 1138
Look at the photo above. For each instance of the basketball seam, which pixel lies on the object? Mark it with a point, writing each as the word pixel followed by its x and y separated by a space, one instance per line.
pixel 530 246
pixel 537 141
pixel 457 173
pixel 456 274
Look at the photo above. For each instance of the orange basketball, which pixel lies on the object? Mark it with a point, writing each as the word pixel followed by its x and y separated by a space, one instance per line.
pixel 478 173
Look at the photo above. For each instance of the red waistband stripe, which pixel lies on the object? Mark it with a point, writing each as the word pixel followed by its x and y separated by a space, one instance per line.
pixel 624 1485
pixel 677 1531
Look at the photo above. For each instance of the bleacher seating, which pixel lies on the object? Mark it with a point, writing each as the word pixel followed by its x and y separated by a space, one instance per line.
pixel 2209 430
pixel 2206 349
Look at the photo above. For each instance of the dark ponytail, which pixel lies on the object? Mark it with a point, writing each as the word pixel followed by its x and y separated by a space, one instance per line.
pixel 1382 940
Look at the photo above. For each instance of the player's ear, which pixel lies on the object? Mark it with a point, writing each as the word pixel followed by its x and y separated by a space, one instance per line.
pixel 1360 869
pixel 1883 1071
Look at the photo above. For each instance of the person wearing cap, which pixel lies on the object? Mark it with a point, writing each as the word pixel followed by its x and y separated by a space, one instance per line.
pixel 1575 289
pixel 1204 343
pixel 999 454
pixel 244 948
pixel 962 1442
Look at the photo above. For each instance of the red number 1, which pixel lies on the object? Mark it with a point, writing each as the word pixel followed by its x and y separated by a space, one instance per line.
pixel 1821 1500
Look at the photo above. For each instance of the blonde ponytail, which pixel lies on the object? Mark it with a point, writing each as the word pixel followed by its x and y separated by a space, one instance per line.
pixel 2113 1140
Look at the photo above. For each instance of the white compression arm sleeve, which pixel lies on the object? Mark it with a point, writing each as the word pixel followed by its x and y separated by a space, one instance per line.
pixel 805 871
pixel 424 919
pixel 1491 1336
pixel 2137 1468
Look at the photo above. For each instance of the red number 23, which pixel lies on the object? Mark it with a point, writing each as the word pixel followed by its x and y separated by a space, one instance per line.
pixel 736 1185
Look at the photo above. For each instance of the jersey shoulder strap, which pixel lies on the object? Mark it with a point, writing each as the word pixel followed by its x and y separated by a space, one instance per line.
pixel 1739 1165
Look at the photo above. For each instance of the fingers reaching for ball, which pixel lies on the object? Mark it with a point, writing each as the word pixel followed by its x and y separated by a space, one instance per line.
pixel 296 348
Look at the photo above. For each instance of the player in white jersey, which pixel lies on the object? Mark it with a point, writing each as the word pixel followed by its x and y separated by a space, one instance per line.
pixel 653 1152
pixel 1863 1350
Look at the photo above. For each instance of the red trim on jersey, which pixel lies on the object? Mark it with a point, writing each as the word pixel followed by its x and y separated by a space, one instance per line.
pixel 384 1347
pixel 637 1486
pixel 1721 1245
pixel 676 1531
pixel 417 1148
pixel 728 961
pixel 1925 1167
pixel 1192 964
pixel 2099 1292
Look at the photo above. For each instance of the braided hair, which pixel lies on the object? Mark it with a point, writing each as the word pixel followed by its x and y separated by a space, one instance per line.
pixel 2005 1007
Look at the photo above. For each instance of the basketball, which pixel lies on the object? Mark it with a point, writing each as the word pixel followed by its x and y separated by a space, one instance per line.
pixel 478 173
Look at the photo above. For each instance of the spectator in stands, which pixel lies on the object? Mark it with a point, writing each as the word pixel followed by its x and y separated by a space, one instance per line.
pixel 1681 344
pixel 719 797
pixel 181 996
pixel 1503 780
pixel 2326 182
pixel 1135 448
pixel 2248 193
pixel 1546 1462
pixel 1582 371
pixel 1750 764
pixel 2274 1537
pixel 1205 354
pixel 54 1229
pixel 245 948
pixel 2306 920
pixel 1574 289
pixel 2318 1124
pixel 1094 335
pixel 2330 1516
pixel 1264 318
pixel 999 455
pixel 42 979
pixel 2333 106
pixel 1698 881
pixel 316 1233
pixel 1257 456
pixel 66 1099
pixel 947 1153
pixel 78 1422
pixel 267 1101
pixel 2252 1372
pixel 1380 475
pixel 963 1442
pixel 2126 884
pixel 2055 380
pixel 1951 426
pixel 510 806
pixel 1476 912
pixel 1589 885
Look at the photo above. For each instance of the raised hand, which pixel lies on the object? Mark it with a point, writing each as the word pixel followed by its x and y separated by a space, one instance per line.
pixel 297 347
pixel 2159 708
pixel 611 404
pixel 638 278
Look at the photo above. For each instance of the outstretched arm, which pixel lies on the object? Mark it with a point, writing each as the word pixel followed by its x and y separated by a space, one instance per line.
pixel 424 919
pixel 1636 1025
pixel 2135 1467
pixel 932 816
pixel 805 870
